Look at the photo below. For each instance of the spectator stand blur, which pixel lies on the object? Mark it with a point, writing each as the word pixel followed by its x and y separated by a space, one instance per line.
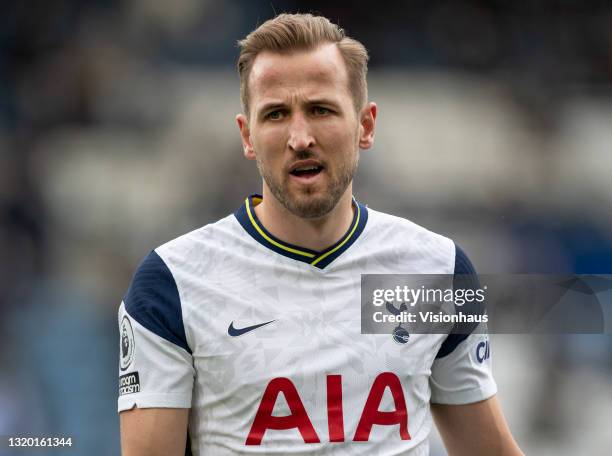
pixel 117 133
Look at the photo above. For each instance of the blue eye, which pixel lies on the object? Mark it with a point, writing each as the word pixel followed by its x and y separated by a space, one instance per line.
pixel 274 115
pixel 320 111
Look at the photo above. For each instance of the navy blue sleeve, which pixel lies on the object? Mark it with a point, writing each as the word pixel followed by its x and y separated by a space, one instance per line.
pixel 465 277
pixel 153 301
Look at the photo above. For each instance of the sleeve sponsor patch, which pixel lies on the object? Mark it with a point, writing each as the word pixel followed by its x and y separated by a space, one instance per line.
pixel 127 343
pixel 129 383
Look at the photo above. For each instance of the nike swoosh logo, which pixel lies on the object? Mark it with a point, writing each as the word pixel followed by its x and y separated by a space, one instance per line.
pixel 235 332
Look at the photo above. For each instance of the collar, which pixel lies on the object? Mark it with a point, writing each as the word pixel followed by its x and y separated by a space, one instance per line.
pixel 248 219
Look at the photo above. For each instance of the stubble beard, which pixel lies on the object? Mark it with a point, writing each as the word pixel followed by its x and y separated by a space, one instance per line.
pixel 307 204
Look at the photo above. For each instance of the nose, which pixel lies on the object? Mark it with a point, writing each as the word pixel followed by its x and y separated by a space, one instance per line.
pixel 300 135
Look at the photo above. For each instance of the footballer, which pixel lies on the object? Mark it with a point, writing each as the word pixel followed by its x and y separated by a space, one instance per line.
pixel 243 337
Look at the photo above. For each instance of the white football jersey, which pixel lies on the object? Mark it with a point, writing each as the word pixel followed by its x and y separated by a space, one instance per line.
pixel 261 340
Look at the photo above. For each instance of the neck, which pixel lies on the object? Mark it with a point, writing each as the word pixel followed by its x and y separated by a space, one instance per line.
pixel 314 234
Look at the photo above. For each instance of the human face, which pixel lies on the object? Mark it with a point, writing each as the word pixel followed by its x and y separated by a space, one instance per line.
pixel 303 129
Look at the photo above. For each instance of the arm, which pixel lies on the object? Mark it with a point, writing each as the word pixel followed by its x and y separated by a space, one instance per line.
pixel 154 431
pixel 475 429
pixel 156 372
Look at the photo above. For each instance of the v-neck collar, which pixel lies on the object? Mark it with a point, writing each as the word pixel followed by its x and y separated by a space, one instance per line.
pixel 248 219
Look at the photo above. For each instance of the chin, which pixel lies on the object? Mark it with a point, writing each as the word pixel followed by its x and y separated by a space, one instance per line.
pixel 310 205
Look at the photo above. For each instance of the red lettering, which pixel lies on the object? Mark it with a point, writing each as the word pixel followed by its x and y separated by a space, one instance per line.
pixel 298 418
pixel 371 415
pixel 264 419
pixel 335 419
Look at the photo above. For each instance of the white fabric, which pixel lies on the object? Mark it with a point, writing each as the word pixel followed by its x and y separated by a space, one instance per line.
pixel 223 275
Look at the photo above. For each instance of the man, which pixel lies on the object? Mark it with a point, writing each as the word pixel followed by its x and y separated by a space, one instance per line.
pixel 247 331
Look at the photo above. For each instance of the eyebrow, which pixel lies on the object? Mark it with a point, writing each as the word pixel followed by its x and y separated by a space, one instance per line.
pixel 272 105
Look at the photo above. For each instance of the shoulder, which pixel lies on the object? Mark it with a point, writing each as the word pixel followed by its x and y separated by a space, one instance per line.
pixel 155 297
pixel 463 264
pixel 192 253
pixel 394 226
pixel 154 302
pixel 198 243
pixel 428 250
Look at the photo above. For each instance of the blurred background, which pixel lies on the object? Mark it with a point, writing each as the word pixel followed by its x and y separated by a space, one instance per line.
pixel 117 133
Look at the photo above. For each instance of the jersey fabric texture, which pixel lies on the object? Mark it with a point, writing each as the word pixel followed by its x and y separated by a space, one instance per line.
pixel 261 339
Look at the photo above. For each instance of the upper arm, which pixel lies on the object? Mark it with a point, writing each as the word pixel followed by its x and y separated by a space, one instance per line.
pixel 461 372
pixel 154 432
pixel 156 371
pixel 464 404
pixel 475 429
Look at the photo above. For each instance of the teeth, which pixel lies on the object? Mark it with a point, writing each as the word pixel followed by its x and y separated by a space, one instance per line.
pixel 307 168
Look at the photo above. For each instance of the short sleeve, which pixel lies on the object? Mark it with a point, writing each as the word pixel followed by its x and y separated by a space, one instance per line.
pixel 461 372
pixel 155 365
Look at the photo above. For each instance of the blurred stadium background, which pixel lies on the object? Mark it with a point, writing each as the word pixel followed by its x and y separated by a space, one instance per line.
pixel 117 133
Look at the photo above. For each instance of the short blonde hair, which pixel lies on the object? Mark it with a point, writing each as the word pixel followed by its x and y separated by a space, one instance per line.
pixel 302 32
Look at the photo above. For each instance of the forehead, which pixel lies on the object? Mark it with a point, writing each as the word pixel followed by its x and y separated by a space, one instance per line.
pixel 317 72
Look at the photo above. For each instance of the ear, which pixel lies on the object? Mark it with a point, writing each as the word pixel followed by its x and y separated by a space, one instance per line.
pixel 367 123
pixel 245 134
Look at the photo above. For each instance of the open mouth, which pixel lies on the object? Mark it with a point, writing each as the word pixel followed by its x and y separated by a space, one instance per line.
pixel 306 171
